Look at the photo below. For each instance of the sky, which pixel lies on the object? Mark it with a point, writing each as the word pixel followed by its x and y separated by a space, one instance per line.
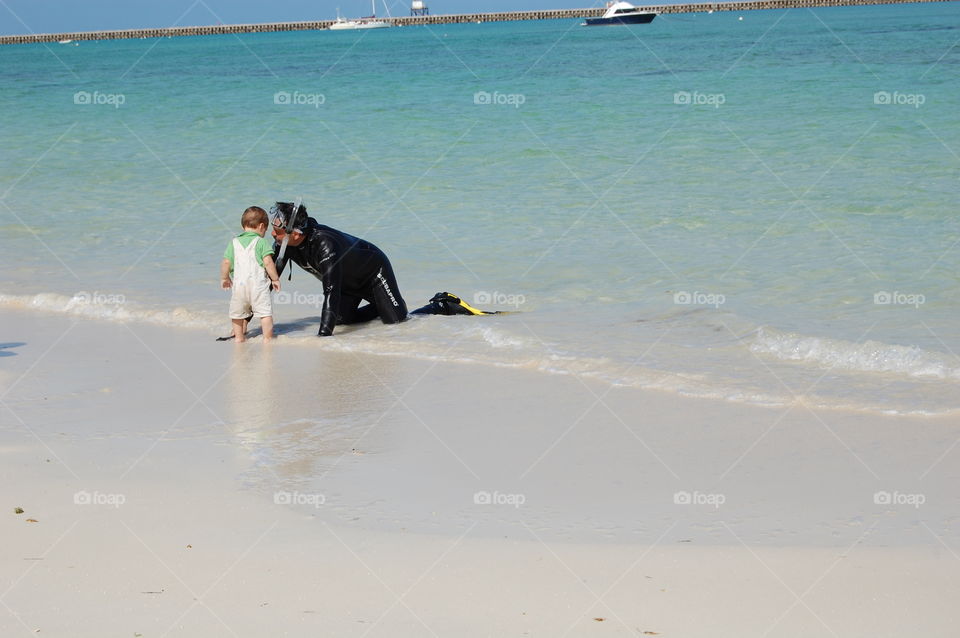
pixel 57 16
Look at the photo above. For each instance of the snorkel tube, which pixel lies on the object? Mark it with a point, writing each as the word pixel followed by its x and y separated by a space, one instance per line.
pixel 287 229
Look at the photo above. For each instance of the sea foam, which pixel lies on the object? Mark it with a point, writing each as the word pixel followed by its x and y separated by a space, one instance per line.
pixel 869 356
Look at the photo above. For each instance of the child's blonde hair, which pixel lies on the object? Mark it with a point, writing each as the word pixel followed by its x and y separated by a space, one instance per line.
pixel 253 217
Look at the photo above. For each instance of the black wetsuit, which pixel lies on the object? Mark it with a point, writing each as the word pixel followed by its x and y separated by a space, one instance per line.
pixel 352 271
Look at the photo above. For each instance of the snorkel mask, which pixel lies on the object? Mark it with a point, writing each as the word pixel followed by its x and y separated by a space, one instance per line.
pixel 282 216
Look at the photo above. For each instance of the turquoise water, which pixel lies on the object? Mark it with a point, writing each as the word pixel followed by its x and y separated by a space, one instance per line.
pixel 707 205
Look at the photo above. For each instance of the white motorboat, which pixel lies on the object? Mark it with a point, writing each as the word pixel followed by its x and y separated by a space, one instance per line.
pixel 621 13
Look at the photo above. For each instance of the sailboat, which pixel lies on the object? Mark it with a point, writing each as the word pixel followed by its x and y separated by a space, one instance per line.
pixel 370 22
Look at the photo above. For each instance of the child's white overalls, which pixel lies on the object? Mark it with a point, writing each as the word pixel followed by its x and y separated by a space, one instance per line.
pixel 251 287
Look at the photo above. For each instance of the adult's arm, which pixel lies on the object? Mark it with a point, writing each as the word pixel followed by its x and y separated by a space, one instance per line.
pixel 271 269
pixel 331 275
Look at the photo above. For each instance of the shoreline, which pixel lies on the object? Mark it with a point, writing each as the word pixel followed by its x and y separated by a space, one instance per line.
pixel 516 343
pixel 552 14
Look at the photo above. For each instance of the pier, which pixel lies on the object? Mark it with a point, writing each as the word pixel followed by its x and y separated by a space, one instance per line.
pixel 554 14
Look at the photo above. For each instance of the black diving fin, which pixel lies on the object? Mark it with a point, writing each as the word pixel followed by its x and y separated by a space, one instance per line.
pixel 445 303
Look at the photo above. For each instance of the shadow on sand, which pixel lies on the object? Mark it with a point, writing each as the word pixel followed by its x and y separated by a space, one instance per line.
pixel 290 327
pixel 5 346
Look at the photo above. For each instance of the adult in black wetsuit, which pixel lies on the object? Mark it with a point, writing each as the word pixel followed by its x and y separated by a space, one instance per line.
pixel 351 270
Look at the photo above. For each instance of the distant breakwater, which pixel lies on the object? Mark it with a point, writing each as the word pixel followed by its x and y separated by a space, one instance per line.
pixel 552 14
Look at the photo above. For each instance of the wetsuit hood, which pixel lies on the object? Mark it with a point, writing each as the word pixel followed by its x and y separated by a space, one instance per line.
pixel 290 221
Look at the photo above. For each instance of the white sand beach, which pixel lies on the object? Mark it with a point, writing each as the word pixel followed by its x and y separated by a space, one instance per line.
pixel 175 486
